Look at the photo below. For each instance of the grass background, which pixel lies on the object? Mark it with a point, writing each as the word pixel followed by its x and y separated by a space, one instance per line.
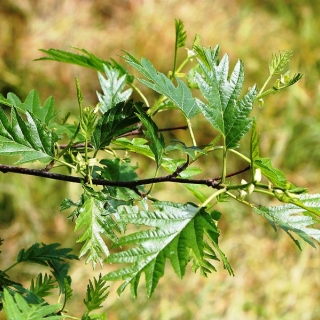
pixel 273 280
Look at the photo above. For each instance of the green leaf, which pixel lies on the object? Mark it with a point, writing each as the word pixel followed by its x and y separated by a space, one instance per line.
pixel 181 95
pixel 139 145
pixel 177 233
pixel 115 122
pixel 157 144
pixel 60 272
pixel 225 110
pixel 96 294
pixel 294 219
pixel 32 104
pixel 88 60
pixel 181 35
pixel 279 61
pixel 44 253
pixel 28 139
pixel 275 176
pixel 43 285
pixel 15 307
pixel 96 220
pixel 112 88
pixel 117 170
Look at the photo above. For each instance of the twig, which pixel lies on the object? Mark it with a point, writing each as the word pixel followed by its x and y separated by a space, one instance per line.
pixel 213 182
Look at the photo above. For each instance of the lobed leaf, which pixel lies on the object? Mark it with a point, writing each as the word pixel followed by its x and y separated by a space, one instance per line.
pixel 115 122
pixel 16 307
pixel 157 144
pixel 225 110
pixel 88 60
pixel 96 294
pixel 43 285
pixel 96 220
pixel 112 88
pixel 294 219
pixel 177 233
pixel 181 95
pixel 45 253
pixel 30 139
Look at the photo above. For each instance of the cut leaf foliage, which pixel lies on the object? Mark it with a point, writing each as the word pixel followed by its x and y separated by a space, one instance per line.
pixel 112 88
pixel 28 139
pixel 292 219
pixel 181 95
pixel 32 104
pixel 96 221
pixel 177 234
pixel 115 122
pixel 16 307
pixel 224 109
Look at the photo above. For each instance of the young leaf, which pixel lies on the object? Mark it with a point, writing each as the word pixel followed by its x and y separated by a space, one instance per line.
pixel 181 95
pixel 96 294
pixel 15 307
pixel 42 254
pixel 30 140
pixel 115 122
pixel 157 144
pixel 292 218
pixel 32 104
pixel 181 35
pixel 112 88
pixel 279 61
pixel 60 272
pixel 96 221
pixel 43 285
pixel 225 110
pixel 177 234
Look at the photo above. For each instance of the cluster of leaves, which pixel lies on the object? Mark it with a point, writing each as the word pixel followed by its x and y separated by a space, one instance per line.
pixel 19 302
pixel 115 199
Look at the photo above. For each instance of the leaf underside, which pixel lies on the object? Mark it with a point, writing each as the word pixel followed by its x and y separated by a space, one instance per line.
pixel 177 233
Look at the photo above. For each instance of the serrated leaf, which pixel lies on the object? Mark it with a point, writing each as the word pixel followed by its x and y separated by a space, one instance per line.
pixel 28 139
pixel 60 271
pixel 96 294
pixel 225 110
pixel 157 144
pixel 294 219
pixel 181 95
pixel 43 285
pixel 115 122
pixel 88 60
pixel 279 61
pixel 32 104
pixel 181 35
pixel 15 307
pixel 96 221
pixel 112 88
pixel 43 253
pixel 177 233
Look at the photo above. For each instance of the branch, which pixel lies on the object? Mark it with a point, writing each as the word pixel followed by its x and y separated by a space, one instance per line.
pixel 213 182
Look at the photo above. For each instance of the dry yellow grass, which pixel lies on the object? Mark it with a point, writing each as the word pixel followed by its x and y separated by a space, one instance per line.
pixel 273 280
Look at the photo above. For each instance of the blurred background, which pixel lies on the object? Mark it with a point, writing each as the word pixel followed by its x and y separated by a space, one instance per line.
pixel 273 279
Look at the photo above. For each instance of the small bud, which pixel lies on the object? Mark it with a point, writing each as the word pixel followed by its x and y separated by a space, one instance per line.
pixel 257 175
pixel 250 188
